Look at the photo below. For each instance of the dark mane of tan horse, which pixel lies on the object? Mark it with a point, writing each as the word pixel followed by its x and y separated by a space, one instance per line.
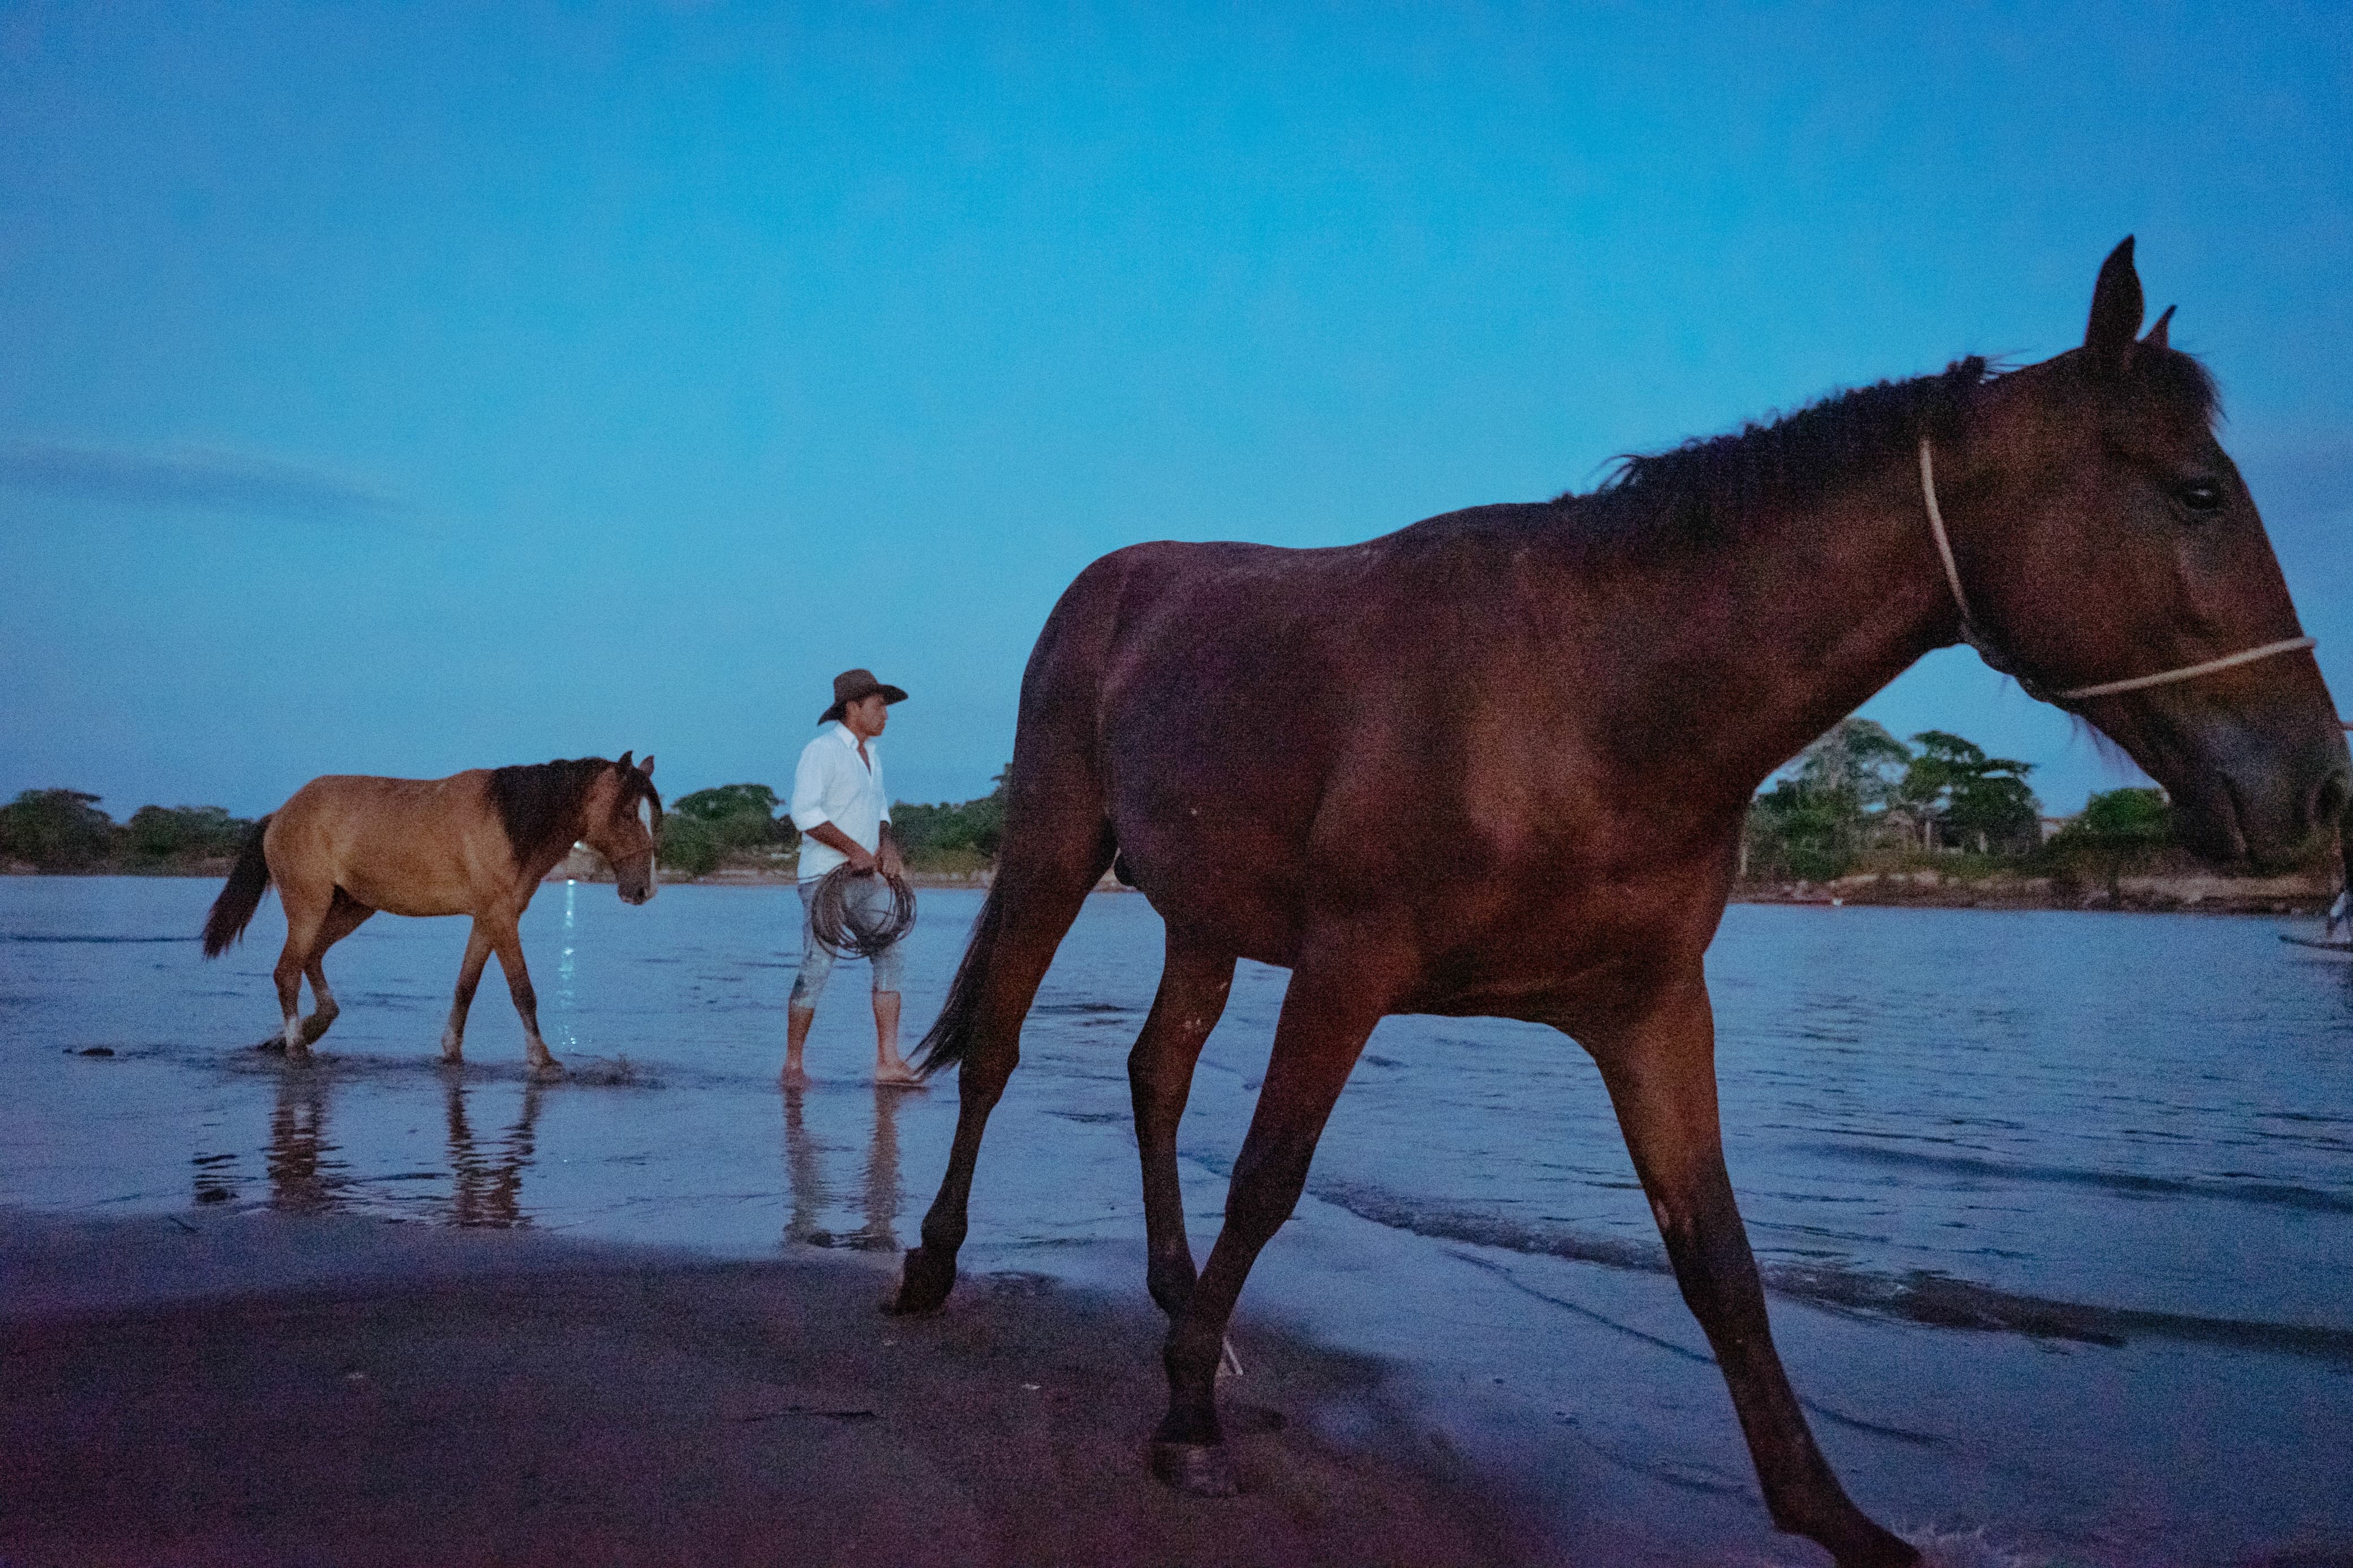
pixel 539 803
pixel 1498 762
pixel 476 843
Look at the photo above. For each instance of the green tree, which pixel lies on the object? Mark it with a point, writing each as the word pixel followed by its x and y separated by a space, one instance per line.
pixel 1968 798
pixel 159 834
pixel 951 837
pixel 2117 827
pixel 704 828
pixel 56 830
pixel 1812 824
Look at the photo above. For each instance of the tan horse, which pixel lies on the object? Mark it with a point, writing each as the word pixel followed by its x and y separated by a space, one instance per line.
pixel 476 843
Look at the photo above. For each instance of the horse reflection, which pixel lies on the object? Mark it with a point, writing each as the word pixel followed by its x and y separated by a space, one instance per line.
pixel 486 1184
pixel 304 1177
pixel 805 1177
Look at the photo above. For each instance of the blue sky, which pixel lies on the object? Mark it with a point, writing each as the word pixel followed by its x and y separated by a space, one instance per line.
pixel 398 389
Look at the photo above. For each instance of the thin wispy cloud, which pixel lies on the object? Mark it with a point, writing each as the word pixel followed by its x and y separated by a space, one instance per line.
pixel 190 478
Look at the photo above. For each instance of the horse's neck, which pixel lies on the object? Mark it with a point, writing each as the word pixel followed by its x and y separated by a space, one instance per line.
pixel 1816 607
pixel 537 868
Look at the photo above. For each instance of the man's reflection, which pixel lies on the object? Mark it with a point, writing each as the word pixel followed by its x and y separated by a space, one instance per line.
pixel 805 1177
pixel 304 1178
pixel 486 1185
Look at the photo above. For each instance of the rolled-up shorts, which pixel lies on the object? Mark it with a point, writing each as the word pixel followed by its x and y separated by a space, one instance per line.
pixel 870 895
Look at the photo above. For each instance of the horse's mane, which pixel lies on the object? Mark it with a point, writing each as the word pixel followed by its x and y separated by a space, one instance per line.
pixel 539 803
pixel 1796 457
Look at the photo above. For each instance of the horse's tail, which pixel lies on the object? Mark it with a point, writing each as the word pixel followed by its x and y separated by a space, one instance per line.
pixel 950 1036
pixel 247 881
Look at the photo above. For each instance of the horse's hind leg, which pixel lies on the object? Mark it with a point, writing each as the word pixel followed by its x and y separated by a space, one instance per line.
pixel 1013 959
pixel 306 918
pixel 1660 1072
pixel 345 916
pixel 1194 983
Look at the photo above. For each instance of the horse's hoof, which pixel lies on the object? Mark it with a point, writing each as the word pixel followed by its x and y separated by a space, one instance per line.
pixel 1877 1550
pixel 923 1283
pixel 1196 1469
pixel 1855 1542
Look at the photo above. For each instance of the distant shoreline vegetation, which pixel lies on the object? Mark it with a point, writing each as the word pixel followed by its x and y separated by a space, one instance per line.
pixel 1858 817
pixel 733 828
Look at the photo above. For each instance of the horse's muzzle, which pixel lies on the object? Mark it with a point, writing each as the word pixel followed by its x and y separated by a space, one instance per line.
pixel 2272 809
pixel 636 884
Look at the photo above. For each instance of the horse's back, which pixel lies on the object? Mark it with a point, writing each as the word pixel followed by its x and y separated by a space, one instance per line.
pixel 408 846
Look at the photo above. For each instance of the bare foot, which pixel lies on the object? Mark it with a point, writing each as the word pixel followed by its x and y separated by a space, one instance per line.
pixel 793 1076
pixel 896 1074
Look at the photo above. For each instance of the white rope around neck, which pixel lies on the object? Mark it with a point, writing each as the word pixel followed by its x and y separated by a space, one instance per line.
pixel 1977 639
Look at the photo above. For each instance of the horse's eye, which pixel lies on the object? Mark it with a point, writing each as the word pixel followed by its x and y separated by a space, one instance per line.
pixel 2199 496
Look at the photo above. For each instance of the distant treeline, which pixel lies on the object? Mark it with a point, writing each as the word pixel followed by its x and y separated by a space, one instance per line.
pixel 742 824
pixel 63 830
pixel 1857 799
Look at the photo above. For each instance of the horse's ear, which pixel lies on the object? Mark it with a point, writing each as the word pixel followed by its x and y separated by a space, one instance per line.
pixel 2155 338
pixel 647 767
pixel 625 765
pixel 2117 307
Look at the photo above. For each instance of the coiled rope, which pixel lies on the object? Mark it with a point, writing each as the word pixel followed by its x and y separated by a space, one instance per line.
pixel 846 928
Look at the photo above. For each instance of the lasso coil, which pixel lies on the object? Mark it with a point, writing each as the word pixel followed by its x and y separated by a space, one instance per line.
pixel 845 928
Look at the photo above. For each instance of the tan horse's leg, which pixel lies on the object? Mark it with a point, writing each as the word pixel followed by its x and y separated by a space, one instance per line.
pixel 306 917
pixel 1661 1071
pixel 1327 1015
pixel 345 916
pixel 469 975
pixel 507 943
pixel 1194 985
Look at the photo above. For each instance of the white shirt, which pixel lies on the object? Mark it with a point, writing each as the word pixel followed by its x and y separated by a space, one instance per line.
pixel 832 784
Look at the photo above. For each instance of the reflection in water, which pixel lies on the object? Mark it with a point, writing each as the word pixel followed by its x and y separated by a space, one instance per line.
pixel 486 1185
pixel 803 1173
pixel 303 1176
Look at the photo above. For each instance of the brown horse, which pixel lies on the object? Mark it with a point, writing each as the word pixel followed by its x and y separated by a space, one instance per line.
pixel 1498 762
pixel 476 843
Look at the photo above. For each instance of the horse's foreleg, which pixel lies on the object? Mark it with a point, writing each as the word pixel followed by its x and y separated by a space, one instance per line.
pixel 1327 1015
pixel 469 975
pixel 1194 985
pixel 508 943
pixel 1661 1071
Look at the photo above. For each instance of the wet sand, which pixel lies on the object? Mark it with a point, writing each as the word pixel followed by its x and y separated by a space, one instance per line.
pixel 259 1390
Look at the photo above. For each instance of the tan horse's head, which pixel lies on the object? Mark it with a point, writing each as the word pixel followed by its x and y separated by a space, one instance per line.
pixel 624 819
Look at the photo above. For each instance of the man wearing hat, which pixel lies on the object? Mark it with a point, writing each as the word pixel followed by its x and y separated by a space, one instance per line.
pixel 844 814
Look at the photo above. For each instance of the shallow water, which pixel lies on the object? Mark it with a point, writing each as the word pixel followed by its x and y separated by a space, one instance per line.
pixel 2074 1130
pixel 2078 1124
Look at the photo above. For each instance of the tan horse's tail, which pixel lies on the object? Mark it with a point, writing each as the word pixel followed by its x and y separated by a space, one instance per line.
pixel 247 881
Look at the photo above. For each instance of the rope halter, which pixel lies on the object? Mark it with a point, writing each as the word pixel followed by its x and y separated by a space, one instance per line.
pixel 1972 635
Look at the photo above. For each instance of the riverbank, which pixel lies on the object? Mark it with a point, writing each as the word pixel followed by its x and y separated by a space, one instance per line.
pixel 241 1389
pixel 2180 892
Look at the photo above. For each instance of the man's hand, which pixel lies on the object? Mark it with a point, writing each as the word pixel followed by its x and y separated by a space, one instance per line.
pixel 890 862
pixel 861 861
